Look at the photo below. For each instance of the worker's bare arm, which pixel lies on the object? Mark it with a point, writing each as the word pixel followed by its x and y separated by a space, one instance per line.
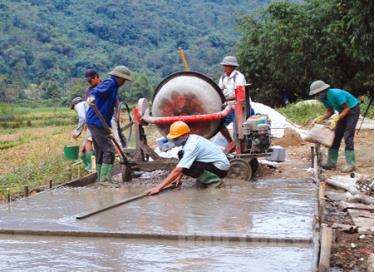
pixel 175 174
pixel 178 181
pixel 230 98
pixel 345 112
pixel 328 113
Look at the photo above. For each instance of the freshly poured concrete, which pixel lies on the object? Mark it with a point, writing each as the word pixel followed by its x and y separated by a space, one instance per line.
pixel 276 210
pixel 280 209
pixel 67 254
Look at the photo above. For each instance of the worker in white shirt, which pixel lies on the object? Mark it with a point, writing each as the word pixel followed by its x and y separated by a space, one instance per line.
pixel 81 107
pixel 228 82
pixel 231 78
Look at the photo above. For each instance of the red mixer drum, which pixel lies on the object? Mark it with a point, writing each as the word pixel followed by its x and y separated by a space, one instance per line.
pixel 189 93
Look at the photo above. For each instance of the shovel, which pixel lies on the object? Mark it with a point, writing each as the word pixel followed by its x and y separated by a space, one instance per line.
pixel 131 199
pixel 107 128
pixel 124 160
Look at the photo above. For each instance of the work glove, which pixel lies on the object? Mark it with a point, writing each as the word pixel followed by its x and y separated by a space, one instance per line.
pixel 318 119
pixel 90 99
pixel 333 122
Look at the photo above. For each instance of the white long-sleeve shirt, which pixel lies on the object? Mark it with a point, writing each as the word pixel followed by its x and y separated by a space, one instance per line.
pixel 81 108
pixel 228 83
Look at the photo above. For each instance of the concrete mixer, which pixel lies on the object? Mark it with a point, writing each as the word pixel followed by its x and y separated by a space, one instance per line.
pixel 196 99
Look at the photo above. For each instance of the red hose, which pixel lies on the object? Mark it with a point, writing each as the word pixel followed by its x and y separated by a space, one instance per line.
pixel 188 118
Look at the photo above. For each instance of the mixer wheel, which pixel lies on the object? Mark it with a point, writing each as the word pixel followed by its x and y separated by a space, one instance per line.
pixel 239 169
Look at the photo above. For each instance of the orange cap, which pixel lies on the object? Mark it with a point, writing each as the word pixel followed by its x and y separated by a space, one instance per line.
pixel 178 129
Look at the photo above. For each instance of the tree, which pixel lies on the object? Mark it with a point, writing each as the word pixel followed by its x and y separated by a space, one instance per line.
pixel 139 88
pixel 293 44
pixel 75 87
pixel 50 90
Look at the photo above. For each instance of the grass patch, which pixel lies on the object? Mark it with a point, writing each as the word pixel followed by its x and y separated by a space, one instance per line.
pixel 35 174
pixel 300 113
pixel 31 146
pixel 26 138
pixel 15 116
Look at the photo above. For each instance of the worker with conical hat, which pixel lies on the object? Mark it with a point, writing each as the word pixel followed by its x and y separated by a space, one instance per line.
pixel 229 80
pixel 199 158
pixel 343 123
pixel 105 97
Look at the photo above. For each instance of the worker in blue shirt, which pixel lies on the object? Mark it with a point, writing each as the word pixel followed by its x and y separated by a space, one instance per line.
pixel 344 123
pixel 105 97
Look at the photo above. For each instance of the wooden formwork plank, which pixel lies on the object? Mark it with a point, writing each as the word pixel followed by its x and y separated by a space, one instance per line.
pixel 322 203
pixel 325 248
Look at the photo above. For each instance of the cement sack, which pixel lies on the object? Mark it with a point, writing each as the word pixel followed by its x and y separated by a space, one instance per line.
pixel 320 134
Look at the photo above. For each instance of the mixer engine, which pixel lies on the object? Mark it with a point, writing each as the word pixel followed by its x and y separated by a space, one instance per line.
pixel 257 133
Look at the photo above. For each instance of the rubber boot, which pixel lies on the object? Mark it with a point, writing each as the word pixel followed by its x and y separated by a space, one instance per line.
pixel 350 161
pixel 333 154
pixel 88 160
pixel 98 171
pixel 83 159
pixel 208 178
pixel 106 173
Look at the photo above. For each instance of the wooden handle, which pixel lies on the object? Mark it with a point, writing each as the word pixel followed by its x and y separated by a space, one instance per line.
pixel 108 129
pixel 120 203
pixel 112 206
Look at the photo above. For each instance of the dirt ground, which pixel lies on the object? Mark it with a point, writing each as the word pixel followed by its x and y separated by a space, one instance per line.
pixel 351 251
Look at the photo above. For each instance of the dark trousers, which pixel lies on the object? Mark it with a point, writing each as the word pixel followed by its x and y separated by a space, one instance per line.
pixel 231 116
pixel 345 128
pixel 197 168
pixel 104 149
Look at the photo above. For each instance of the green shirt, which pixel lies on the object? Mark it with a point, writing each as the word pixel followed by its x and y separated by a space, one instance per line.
pixel 337 97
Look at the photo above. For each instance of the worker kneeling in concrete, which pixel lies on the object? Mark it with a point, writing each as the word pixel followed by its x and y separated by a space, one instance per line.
pixel 199 158
pixel 344 123
pixel 105 97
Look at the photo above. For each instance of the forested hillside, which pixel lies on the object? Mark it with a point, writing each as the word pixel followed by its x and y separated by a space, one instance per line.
pixel 46 45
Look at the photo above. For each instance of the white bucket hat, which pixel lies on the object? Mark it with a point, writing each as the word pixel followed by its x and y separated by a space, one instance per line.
pixel 229 61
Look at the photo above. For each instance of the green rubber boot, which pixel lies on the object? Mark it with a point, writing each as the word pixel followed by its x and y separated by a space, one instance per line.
pixel 333 154
pixel 83 159
pixel 350 161
pixel 88 160
pixel 106 173
pixel 98 170
pixel 208 178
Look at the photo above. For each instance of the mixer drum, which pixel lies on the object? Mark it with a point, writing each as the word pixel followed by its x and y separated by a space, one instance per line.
pixel 189 93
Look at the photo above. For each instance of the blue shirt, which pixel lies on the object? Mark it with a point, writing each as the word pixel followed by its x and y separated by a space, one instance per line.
pixel 200 149
pixel 337 97
pixel 105 95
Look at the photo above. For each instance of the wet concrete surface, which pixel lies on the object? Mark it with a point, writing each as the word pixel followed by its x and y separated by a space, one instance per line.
pixel 282 209
pixel 69 254
pixel 272 209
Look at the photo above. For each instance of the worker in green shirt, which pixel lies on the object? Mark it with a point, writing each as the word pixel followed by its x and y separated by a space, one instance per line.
pixel 344 123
